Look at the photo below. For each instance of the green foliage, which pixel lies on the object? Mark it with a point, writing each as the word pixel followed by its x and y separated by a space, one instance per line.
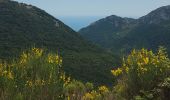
pixel 35 75
pixel 141 73
pixel 76 90
pixel 38 75
pixel 89 86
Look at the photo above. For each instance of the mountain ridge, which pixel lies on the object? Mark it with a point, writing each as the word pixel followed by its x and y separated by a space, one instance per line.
pixel 145 32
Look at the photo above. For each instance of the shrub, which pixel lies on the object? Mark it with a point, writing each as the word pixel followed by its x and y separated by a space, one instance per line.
pixel 36 75
pixel 141 72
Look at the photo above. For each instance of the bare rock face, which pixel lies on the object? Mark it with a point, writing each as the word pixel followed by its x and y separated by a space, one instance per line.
pixel 57 24
pixel 29 6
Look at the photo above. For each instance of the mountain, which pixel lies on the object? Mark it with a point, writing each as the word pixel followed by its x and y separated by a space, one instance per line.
pixel 120 35
pixel 24 26
pixel 104 31
pixel 157 16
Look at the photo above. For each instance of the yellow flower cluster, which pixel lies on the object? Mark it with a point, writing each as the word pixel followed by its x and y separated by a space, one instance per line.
pixel 162 55
pixel 93 95
pixel 24 58
pixel 35 52
pixel 10 76
pixel 7 74
pixel 103 89
pixel 142 58
pixel 54 59
pixel 66 80
pixel 88 96
pixel 117 72
pixel 142 61
pixel 96 95
pixel 38 52
pixel 29 83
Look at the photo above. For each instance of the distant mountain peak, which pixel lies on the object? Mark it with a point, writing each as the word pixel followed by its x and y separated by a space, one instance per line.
pixel 157 16
pixel 109 18
pixel 113 17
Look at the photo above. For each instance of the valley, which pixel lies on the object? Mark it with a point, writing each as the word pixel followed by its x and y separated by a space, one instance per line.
pixel 113 58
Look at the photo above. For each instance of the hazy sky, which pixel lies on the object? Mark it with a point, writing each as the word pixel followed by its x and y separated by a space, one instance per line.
pixel 124 8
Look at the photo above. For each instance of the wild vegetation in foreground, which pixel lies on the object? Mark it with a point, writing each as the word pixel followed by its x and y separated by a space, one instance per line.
pixel 38 75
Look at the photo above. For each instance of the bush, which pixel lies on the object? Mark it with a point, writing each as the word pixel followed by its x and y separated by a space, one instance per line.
pixel 141 72
pixel 36 75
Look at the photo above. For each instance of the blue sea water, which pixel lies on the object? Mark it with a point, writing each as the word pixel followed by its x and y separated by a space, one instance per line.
pixel 78 22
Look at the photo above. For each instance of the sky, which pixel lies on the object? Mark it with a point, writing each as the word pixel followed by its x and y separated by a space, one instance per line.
pixel 69 10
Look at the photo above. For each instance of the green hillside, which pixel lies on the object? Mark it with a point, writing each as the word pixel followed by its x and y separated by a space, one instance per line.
pixel 120 35
pixel 24 26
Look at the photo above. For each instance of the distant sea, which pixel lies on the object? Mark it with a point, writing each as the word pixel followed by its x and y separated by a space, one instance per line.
pixel 78 22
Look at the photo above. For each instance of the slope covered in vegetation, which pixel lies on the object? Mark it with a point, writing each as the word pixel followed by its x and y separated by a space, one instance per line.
pixel 23 26
pixel 144 75
pixel 121 35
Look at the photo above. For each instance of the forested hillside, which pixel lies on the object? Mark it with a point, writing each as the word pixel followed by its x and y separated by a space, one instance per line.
pixel 41 58
pixel 121 35
pixel 24 26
